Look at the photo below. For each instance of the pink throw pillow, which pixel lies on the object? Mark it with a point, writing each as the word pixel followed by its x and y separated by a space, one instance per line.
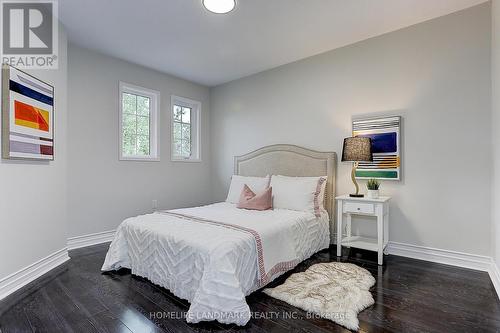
pixel 250 200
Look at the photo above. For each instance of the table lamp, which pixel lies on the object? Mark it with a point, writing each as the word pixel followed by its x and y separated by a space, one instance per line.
pixel 357 149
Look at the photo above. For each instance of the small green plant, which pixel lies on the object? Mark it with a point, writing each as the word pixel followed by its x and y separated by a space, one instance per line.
pixel 373 184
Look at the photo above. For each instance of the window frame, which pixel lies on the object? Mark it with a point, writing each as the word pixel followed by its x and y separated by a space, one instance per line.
pixel 154 142
pixel 195 120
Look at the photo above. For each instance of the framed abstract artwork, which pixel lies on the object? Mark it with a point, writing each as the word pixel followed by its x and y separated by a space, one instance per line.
pixel 386 147
pixel 27 116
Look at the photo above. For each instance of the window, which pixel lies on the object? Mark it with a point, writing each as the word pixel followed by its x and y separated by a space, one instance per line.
pixel 185 129
pixel 138 123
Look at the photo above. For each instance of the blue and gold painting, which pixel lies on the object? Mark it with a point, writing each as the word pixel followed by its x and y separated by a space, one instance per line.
pixel 385 135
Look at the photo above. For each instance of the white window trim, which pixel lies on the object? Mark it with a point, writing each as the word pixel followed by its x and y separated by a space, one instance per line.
pixel 154 137
pixel 195 139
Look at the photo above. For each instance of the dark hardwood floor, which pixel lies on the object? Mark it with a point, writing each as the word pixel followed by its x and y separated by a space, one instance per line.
pixel 410 296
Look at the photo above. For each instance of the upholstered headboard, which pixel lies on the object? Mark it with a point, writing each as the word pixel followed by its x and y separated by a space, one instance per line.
pixel 290 160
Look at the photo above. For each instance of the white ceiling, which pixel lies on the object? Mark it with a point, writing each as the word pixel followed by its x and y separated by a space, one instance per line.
pixel 180 37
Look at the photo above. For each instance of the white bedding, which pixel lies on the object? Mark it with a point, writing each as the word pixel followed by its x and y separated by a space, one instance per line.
pixel 211 255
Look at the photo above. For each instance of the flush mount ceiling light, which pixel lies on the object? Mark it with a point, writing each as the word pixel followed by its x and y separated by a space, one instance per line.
pixel 219 6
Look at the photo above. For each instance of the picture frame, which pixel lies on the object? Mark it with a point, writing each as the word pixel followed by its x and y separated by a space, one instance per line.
pixel 27 116
pixel 385 133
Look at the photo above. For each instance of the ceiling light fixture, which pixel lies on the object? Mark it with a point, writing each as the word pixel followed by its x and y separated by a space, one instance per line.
pixel 219 6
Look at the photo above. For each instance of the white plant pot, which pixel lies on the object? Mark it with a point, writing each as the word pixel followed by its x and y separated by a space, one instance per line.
pixel 373 194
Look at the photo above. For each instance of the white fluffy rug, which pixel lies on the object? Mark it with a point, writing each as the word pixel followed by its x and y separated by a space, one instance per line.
pixel 335 291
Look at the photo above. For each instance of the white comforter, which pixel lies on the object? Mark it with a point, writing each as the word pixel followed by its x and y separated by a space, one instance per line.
pixel 215 255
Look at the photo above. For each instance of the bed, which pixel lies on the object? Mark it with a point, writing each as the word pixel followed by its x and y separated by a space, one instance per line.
pixel 215 255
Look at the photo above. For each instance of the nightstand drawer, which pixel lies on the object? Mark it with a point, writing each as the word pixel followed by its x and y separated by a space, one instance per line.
pixel 359 207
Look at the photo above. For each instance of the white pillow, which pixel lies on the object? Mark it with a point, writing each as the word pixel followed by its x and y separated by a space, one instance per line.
pixel 322 194
pixel 256 184
pixel 299 193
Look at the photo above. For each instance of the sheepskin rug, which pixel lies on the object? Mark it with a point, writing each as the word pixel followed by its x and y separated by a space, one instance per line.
pixel 335 291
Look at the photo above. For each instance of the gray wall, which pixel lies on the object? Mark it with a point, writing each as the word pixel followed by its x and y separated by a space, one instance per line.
pixel 102 190
pixel 435 74
pixel 33 204
pixel 495 93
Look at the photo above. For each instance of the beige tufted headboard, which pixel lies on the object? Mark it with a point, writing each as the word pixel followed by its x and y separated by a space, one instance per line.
pixel 290 160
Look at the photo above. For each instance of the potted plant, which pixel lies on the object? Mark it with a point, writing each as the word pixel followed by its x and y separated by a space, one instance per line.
pixel 373 186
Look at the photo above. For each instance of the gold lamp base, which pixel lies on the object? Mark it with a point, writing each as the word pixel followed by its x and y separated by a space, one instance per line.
pixel 353 177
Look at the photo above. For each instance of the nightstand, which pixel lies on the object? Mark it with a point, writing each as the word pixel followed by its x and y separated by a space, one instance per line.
pixel 379 208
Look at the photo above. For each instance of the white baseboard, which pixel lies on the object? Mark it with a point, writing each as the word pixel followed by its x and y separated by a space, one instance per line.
pixel 454 258
pixel 19 279
pixel 92 239
pixel 15 281
pixel 495 276
pixel 447 257
pixel 24 276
